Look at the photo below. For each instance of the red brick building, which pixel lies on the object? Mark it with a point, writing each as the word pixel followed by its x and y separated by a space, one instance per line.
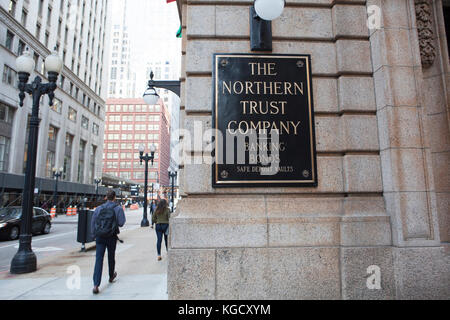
pixel 130 123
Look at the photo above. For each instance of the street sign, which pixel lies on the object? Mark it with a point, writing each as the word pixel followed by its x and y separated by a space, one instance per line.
pixel 134 190
pixel 263 118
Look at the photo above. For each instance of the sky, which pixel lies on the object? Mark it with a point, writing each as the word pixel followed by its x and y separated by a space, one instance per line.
pixel 152 26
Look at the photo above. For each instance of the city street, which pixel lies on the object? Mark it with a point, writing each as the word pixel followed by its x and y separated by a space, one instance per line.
pixel 59 258
pixel 62 237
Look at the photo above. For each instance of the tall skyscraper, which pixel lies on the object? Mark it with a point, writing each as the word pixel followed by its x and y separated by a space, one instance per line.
pixel 135 52
pixel 122 79
pixel 71 131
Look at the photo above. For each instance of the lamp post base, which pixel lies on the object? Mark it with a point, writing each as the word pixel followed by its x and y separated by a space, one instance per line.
pixel 25 260
pixel 145 223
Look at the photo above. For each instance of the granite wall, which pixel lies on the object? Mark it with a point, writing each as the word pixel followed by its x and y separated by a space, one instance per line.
pixel 376 202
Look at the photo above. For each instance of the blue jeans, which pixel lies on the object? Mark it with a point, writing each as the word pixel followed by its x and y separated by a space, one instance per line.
pixel 101 245
pixel 160 232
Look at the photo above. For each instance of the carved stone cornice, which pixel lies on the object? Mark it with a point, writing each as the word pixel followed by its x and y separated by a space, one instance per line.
pixel 424 20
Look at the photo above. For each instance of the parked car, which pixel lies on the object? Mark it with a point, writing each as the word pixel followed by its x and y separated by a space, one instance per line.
pixel 10 222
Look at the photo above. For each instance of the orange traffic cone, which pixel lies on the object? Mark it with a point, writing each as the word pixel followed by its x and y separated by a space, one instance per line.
pixel 53 212
pixel 69 211
pixel 74 211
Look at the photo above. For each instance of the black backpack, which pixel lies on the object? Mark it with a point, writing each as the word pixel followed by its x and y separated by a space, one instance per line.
pixel 106 223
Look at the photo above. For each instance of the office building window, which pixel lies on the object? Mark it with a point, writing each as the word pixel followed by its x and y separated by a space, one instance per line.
pixel 50 164
pixel 9 75
pixel 6 113
pixel 9 40
pixel 4 152
pixel 84 122
pixel 82 150
pixel 57 105
pixel 72 115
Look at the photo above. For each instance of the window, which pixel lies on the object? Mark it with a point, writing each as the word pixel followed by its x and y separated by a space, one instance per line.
pixel 139 175
pixel 82 149
pixel 57 105
pixel 72 115
pixel 9 75
pixel 93 153
pixel 9 40
pixel 6 114
pixel 84 122
pixel 95 129
pixel 38 30
pixel 50 164
pixel 24 17
pixel 4 153
pixel 20 48
pixel 52 133
pixel 12 7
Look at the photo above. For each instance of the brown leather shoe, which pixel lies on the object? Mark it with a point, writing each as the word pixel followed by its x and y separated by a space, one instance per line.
pixel 95 290
pixel 111 280
pixel 159 258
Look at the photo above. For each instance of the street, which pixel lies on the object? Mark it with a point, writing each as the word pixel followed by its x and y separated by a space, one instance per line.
pixel 62 238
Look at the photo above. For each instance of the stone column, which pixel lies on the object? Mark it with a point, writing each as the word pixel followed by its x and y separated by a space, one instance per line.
pixel 408 182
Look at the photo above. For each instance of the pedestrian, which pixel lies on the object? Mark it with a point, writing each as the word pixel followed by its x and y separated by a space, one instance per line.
pixel 105 224
pixel 161 219
pixel 152 210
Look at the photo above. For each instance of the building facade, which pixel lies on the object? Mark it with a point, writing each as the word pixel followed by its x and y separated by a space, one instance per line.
pixel 165 70
pixel 122 78
pixel 70 131
pixel 380 75
pixel 129 124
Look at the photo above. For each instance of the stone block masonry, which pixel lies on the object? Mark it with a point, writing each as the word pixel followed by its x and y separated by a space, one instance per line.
pixel 375 206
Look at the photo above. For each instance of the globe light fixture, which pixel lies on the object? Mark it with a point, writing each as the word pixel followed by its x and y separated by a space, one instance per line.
pixel 151 97
pixel 25 63
pixel 269 9
pixel 53 63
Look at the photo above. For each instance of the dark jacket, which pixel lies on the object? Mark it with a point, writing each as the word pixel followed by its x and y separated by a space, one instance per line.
pixel 162 217
pixel 120 215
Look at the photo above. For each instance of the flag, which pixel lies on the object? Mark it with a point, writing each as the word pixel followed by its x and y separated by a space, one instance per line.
pixel 179 32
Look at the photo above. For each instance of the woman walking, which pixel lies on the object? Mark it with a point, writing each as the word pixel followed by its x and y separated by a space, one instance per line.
pixel 161 219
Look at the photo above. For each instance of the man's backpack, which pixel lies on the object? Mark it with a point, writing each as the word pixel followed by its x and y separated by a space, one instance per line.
pixel 106 223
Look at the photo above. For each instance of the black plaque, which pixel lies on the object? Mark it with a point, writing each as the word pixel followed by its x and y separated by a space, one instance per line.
pixel 263 94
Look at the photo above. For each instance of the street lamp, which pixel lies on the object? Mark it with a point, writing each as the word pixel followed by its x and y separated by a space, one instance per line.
pixel 261 14
pixel 151 97
pixel 172 175
pixel 57 173
pixel 146 158
pixel 24 260
pixel 97 182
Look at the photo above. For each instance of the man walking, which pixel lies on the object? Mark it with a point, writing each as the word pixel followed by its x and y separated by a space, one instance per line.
pixel 105 225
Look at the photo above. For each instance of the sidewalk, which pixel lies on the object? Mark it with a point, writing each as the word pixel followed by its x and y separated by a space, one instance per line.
pixel 68 276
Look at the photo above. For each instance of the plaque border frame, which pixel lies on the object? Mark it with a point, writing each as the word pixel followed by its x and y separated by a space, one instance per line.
pixel 264 183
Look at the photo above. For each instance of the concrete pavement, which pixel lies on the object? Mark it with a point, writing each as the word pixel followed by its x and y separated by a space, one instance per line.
pixel 68 275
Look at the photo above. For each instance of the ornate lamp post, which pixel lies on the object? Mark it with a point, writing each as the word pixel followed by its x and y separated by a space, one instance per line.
pixel 25 260
pixel 97 182
pixel 57 173
pixel 172 175
pixel 146 158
